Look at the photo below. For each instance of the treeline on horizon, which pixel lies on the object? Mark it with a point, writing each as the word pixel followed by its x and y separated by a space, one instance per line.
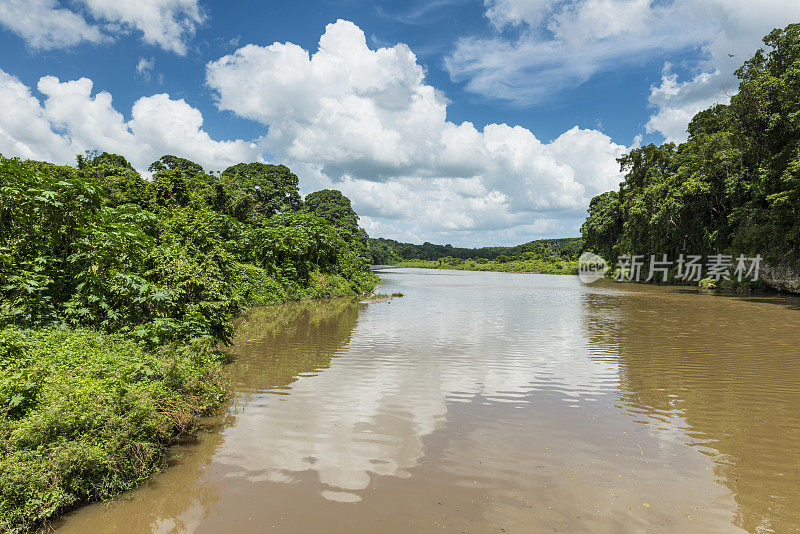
pixel 115 292
pixel 390 252
pixel 733 187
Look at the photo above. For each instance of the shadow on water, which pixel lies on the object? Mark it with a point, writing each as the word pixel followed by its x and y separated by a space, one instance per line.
pixel 776 298
pixel 296 339
pixel 275 345
pixel 720 373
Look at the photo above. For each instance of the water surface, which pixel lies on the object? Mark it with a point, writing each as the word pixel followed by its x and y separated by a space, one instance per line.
pixel 495 402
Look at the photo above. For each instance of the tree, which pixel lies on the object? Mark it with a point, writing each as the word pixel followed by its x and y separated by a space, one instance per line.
pixel 260 190
pixel 170 188
pixel 733 186
pixel 205 189
pixel 334 207
pixel 171 163
pixel 765 121
pixel 603 227
pixel 121 182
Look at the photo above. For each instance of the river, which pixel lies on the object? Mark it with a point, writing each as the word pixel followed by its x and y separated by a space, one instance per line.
pixel 494 402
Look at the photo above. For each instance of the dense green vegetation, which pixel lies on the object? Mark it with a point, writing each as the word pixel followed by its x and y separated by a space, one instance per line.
pixel 555 256
pixel 542 266
pixel 733 187
pixel 335 208
pixel 115 291
pixel 87 415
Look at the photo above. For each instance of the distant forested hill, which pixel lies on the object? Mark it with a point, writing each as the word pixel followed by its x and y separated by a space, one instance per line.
pixel 389 251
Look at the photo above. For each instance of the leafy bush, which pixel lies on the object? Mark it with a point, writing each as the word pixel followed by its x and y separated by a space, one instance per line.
pixel 256 286
pixel 85 415
pixel 161 261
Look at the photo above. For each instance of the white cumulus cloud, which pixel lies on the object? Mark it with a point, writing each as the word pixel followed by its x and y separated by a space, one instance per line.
pixel 677 102
pixel 165 23
pixel 71 119
pixel 43 24
pixel 47 24
pixel 24 129
pixel 367 122
pixel 559 44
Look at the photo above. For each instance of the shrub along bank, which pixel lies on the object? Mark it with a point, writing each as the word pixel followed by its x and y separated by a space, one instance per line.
pixel 114 291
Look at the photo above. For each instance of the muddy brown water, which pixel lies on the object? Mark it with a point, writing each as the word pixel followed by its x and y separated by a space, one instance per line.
pixel 494 402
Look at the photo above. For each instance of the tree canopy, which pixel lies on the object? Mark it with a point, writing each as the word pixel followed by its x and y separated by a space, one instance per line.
pixel 173 257
pixel 733 186
pixel 334 207
pixel 261 189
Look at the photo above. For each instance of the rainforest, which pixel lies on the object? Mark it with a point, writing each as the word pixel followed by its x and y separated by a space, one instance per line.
pixel 115 292
pixel 733 186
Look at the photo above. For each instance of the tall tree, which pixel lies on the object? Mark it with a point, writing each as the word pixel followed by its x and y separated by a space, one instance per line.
pixel 261 190
pixel 335 208
pixel 171 163
pixel 122 184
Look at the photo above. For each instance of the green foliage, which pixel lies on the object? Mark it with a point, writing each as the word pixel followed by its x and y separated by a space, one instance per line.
pixel 382 252
pixel 85 415
pixel 161 273
pixel 169 189
pixel 604 224
pixel 334 207
pixel 174 163
pixel 121 183
pixel 257 191
pixel 707 283
pixel 541 266
pixel 552 256
pixel 148 274
pixel 733 186
pixel 256 286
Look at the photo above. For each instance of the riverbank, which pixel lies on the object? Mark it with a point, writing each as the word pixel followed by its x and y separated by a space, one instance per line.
pixel 88 415
pixel 513 266
pixel 115 294
pixel 730 190
pixel 477 387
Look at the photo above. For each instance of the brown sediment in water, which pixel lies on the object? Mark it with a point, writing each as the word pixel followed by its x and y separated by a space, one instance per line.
pixel 493 402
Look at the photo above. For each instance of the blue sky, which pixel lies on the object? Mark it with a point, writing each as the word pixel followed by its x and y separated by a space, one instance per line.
pixel 551 91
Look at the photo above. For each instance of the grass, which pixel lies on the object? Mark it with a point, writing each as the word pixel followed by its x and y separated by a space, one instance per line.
pixel 86 415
